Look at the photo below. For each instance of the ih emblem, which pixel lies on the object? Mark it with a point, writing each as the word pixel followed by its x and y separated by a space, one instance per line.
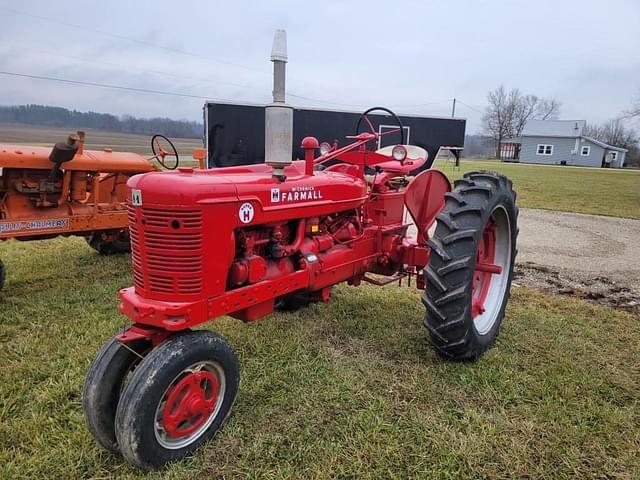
pixel 246 212
pixel 275 195
pixel 136 197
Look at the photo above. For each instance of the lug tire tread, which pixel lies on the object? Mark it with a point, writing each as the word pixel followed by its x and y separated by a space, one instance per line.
pixel 449 275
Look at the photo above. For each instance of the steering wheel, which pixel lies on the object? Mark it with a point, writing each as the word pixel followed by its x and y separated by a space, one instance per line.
pixel 373 130
pixel 158 142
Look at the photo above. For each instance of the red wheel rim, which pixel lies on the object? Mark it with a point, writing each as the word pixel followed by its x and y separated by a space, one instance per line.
pixel 190 403
pixel 485 268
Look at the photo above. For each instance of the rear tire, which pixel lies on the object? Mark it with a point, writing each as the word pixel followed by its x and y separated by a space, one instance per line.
pixel 178 397
pixel 294 302
pixel 106 244
pixel 465 304
pixel 3 274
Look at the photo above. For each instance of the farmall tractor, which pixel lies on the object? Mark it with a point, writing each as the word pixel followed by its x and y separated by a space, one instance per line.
pixel 68 190
pixel 240 240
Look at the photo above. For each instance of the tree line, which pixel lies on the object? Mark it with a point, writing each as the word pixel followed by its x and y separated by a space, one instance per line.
pixel 63 117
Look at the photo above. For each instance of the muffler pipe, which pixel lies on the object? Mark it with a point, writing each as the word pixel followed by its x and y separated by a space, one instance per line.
pixel 278 147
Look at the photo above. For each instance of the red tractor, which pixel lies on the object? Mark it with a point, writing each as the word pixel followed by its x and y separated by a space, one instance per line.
pixel 240 240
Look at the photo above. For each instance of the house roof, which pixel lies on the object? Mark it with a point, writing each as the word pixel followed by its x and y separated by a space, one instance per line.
pixel 604 145
pixel 553 128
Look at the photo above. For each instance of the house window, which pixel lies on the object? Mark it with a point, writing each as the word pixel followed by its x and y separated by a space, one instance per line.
pixel 544 149
pixel 614 156
pixel 586 151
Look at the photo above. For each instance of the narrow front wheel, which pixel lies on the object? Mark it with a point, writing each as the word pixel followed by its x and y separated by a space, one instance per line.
pixel 178 397
pixel 103 385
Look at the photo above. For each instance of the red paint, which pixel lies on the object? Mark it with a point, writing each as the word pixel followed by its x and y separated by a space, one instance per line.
pixel 310 145
pixel 484 268
pixel 189 403
pixel 143 332
pixel 195 257
pixel 424 208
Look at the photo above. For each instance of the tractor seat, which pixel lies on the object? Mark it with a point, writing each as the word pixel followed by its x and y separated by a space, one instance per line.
pixel 416 157
pixel 413 151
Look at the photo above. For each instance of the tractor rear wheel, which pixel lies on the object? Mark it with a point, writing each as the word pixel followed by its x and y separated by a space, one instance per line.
pixel 468 278
pixel 103 385
pixel 178 397
pixel 108 243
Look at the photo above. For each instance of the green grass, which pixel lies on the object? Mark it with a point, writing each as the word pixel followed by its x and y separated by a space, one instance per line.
pixel 598 191
pixel 349 389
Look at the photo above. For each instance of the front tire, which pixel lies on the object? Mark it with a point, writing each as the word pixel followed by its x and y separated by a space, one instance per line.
pixel 103 386
pixel 468 278
pixel 178 397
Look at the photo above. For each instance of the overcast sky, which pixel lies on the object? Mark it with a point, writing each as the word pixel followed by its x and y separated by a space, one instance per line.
pixel 413 56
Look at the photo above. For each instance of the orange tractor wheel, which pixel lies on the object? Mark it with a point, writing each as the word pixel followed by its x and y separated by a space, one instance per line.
pixel 109 243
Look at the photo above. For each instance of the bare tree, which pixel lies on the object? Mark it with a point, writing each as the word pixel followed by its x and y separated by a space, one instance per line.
pixel 613 133
pixel 634 111
pixel 508 112
pixel 529 107
pixel 498 118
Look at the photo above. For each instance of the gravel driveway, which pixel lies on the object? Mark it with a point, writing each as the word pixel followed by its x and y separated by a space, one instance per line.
pixel 589 256
pixel 586 246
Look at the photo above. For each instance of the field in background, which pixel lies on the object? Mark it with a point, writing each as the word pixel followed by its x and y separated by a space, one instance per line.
pixel 96 139
pixel 349 389
pixel 598 191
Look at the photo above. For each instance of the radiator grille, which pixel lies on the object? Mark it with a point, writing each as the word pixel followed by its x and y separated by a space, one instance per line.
pixel 166 249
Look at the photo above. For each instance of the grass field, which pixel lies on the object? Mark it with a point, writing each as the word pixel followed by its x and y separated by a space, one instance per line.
pixel 348 390
pixel 599 191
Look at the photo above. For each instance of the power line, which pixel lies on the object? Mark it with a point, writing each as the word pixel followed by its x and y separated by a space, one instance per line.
pixel 223 82
pixel 469 106
pixel 115 87
pixel 131 39
pixel 156 72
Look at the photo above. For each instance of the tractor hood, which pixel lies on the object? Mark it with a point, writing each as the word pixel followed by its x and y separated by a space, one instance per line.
pixel 269 199
pixel 106 161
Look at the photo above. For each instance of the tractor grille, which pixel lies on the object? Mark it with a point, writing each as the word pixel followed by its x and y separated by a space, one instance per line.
pixel 166 250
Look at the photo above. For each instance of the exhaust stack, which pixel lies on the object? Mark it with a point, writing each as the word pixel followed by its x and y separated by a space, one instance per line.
pixel 278 115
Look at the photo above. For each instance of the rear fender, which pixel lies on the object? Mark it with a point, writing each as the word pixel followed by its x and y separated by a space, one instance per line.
pixel 424 198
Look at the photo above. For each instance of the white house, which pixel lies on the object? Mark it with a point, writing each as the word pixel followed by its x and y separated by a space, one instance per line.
pixel 560 142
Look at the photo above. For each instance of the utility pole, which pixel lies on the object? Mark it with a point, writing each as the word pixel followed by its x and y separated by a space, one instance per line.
pixel 453 109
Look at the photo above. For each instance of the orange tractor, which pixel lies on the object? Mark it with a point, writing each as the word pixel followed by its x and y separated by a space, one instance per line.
pixel 68 190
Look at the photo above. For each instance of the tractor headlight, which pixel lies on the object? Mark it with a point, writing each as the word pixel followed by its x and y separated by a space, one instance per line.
pixel 324 148
pixel 399 153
